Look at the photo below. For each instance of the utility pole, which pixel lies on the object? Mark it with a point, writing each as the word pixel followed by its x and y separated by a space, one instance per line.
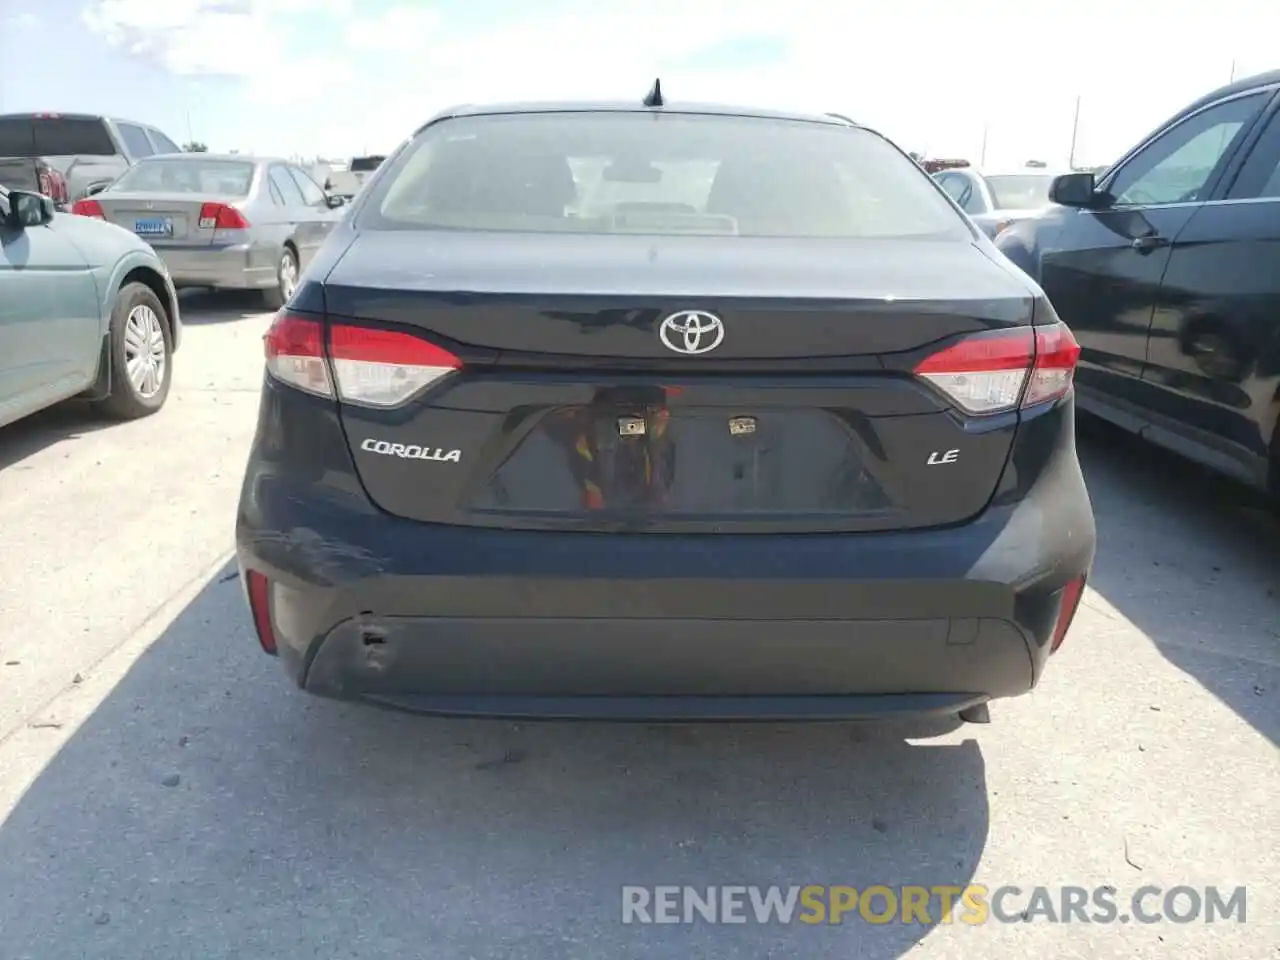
pixel 1075 129
pixel 1233 72
pixel 982 156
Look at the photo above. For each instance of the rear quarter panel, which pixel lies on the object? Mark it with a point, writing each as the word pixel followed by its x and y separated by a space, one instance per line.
pixel 1024 242
pixel 272 225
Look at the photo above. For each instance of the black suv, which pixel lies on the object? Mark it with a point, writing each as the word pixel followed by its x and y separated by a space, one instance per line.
pixel 1167 269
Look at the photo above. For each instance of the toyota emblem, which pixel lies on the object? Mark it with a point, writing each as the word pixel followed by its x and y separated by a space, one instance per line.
pixel 691 332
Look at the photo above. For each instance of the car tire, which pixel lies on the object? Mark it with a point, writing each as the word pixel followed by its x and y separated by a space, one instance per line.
pixel 286 280
pixel 140 335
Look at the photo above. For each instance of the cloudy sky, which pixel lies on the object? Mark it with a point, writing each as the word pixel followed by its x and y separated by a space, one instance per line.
pixel 336 77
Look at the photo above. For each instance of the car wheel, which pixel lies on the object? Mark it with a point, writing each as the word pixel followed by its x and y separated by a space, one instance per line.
pixel 141 354
pixel 286 280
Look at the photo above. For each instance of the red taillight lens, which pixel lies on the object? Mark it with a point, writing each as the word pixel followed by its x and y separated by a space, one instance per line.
pixel 1072 594
pixel 991 372
pixel 219 216
pixel 88 208
pixel 376 368
pixel 295 354
pixel 260 606
pixel 1057 354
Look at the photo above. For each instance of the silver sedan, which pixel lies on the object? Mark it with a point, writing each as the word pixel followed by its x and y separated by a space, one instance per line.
pixel 998 199
pixel 228 222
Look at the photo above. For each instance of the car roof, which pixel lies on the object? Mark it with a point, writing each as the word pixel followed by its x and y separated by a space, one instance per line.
pixel 65 115
pixel 1243 85
pixel 629 106
pixel 202 155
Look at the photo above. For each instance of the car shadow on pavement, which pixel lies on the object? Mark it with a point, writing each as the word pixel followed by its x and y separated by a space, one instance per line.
pixel 1192 560
pixel 65 421
pixel 208 808
pixel 203 307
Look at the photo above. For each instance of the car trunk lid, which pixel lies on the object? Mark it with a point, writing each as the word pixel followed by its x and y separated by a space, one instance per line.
pixel 570 410
pixel 165 219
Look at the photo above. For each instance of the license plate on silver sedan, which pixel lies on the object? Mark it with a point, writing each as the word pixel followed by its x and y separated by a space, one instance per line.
pixel 153 227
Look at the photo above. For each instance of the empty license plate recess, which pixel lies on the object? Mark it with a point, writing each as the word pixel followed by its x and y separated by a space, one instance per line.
pixel 687 463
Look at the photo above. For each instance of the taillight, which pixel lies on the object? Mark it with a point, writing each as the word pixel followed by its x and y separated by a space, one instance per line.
pixel 1072 593
pixel 88 208
pixel 999 370
pixel 384 368
pixel 376 368
pixel 220 216
pixel 259 588
pixel 295 354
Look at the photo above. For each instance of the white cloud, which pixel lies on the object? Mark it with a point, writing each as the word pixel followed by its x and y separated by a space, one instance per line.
pixel 399 29
pixel 189 37
pixel 929 75
pixel 23 21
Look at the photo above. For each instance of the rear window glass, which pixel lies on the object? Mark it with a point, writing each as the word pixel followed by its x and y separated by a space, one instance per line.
pixel 54 137
pixel 163 143
pixel 1020 191
pixel 366 164
pixel 225 178
pixel 658 174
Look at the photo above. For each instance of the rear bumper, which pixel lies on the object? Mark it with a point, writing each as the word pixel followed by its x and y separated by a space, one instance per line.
pixel 525 623
pixel 237 267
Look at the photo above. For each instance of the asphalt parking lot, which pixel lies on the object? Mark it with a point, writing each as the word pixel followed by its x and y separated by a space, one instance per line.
pixel 164 791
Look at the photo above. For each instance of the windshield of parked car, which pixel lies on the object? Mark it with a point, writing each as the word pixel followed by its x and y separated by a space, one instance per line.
pixel 1020 191
pixel 28 136
pixel 226 178
pixel 621 172
pixel 366 164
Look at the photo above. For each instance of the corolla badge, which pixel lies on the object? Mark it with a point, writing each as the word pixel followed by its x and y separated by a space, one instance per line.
pixel 691 332
pixel 411 451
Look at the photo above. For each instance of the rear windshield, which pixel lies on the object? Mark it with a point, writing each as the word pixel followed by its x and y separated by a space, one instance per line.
pixel 366 164
pixel 658 174
pixel 1020 191
pixel 54 137
pixel 225 178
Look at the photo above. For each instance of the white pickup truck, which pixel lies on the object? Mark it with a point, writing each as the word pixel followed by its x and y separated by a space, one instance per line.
pixel 347 182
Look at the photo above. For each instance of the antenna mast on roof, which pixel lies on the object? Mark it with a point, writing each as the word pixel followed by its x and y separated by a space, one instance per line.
pixel 654 96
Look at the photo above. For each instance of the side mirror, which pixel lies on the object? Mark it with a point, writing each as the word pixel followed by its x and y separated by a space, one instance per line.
pixel 96 189
pixel 28 210
pixel 1075 190
pixel 334 201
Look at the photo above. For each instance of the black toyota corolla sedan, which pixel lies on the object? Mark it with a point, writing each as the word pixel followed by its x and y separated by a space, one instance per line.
pixel 661 412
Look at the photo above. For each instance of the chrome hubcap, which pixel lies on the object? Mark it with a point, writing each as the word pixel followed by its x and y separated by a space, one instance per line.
pixel 288 276
pixel 144 351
